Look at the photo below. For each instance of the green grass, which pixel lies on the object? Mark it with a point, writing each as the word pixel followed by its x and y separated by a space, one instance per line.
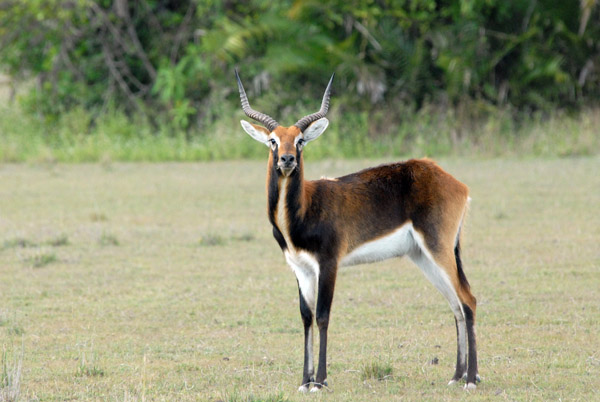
pixel 41 260
pixel 172 320
pixel 216 239
pixel 17 242
pixel 212 240
pixel 484 131
pixel 108 239
pixel 376 371
pixel 58 241
pixel 88 366
pixel 241 396
pixel 20 242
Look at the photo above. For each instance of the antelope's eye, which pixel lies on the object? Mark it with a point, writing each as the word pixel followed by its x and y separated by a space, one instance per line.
pixel 273 142
pixel 300 142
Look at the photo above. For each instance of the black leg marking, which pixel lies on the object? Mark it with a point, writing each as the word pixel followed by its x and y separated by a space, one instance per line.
pixel 325 298
pixel 461 274
pixel 472 366
pixel 461 368
pixel 307 320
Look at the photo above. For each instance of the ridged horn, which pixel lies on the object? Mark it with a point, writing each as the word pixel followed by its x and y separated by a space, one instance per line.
pixel 268 121
pixel 304 122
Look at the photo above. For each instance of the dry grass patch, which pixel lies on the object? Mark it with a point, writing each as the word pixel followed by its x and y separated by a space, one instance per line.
pixel 11 366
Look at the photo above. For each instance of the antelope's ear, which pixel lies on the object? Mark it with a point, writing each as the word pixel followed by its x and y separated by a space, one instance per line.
pixel 315 129
pixel 259 133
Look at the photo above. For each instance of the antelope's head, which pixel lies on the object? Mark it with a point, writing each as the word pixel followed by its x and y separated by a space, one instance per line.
pixel 286 143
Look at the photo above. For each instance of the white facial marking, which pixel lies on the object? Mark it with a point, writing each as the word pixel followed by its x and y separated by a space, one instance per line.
pixel 273 137
pixel 395 244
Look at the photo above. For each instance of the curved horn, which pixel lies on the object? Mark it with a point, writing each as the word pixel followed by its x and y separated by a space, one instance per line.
pixel 268 121
pixel 304 122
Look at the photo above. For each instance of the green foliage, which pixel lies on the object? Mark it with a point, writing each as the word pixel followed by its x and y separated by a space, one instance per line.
pixel 173 63
pixel 470 128
pixel 104 80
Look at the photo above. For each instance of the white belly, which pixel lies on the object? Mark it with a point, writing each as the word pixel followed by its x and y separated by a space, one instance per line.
pixel 395 244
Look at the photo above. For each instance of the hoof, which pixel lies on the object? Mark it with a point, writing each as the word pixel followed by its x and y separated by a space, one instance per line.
pixel 470 386
pixel 477 378
pixel 303 388
pixel 456 380
pixel 318 387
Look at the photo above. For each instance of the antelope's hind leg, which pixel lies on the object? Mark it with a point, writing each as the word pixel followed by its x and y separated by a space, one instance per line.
pixel 443 272
pixel 469 304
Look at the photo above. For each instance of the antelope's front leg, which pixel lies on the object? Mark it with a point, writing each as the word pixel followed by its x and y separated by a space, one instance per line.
pixel 306 274
pixel 308 373
pixel 327 276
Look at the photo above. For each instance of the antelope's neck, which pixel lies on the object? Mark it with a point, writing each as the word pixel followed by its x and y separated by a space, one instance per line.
pixel 286 203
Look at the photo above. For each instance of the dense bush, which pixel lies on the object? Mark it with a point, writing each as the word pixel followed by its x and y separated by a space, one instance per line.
pixel 171 62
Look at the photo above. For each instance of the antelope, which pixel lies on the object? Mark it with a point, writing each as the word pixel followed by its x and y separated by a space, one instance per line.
pixel 409 208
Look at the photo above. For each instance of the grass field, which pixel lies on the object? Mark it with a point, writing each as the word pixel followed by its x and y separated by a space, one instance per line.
pixel 162 282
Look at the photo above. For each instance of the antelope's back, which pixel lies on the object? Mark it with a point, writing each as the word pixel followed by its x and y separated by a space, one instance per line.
pixel 376 201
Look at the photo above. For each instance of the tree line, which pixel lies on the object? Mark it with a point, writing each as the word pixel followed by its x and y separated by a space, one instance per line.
pixel 172 61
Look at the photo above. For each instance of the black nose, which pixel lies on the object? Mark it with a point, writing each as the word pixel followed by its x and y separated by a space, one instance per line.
pixel 288 159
